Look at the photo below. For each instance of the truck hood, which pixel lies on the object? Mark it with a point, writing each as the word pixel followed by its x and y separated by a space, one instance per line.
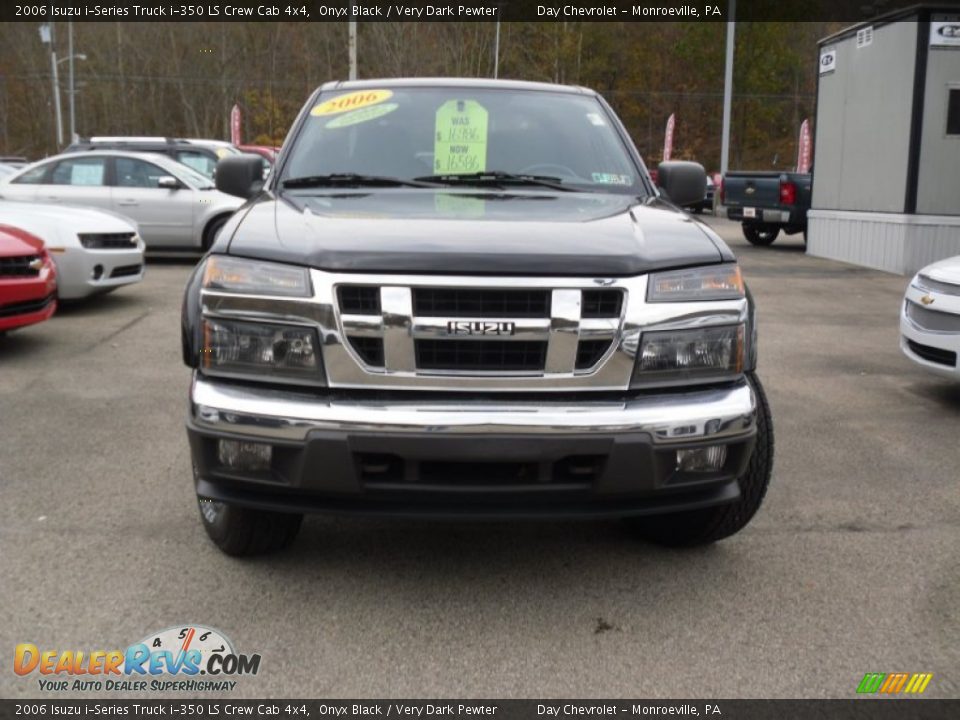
pixel 470 231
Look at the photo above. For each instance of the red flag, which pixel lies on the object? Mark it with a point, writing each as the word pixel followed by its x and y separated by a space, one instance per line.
pixel 804 148
pixel 235 125
pixel 668 138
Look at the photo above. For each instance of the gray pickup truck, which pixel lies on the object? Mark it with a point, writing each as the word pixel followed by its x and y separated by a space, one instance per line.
pixel 466 299
pixel 766 203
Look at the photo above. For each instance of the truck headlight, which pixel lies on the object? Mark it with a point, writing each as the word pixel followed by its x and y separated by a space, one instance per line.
pixel 713 282
pixel 698 354
pixel 263 351
pixel 255 277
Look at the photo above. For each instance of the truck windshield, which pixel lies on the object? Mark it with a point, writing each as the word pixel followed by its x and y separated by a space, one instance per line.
pixel 463 136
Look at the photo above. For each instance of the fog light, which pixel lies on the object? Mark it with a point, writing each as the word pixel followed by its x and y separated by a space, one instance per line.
pixel 706 459
pixel 239 455
pixel 97 272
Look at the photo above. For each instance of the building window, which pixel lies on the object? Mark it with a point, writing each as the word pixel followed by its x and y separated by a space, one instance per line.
pixel 953 112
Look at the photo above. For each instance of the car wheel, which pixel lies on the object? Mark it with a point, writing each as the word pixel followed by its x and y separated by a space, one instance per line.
pixel 213 229
pixel 758 234
pixel 241 531
pixel 702 527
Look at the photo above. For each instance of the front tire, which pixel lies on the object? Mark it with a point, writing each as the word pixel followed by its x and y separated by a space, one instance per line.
pixel 760 234
pixel 241 532
pixel 212 230
pixel 706 526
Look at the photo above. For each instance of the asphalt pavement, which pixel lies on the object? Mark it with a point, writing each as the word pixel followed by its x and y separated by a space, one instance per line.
pixel 851 565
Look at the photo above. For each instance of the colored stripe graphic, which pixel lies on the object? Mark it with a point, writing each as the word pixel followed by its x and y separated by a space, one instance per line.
pixel 871 682
pixel 894 683
pixel 918 683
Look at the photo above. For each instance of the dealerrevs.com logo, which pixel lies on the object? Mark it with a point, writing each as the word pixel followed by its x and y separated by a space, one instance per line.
pixel 189 658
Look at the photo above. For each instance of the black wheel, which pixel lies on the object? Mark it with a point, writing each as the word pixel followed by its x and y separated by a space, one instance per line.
pixel 697 210
pixel 241 531
pixel 213 229
pixel 702 527
pixel 760 234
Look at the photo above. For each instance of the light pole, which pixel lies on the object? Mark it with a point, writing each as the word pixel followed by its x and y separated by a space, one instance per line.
pixel 352 45
pixel 496 52
pixel 47 38
pixel 72 92
pixel 728 89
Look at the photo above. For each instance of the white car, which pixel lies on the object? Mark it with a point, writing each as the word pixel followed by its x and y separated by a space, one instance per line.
pixel 94 251
pixel 175 207
pixel 930 318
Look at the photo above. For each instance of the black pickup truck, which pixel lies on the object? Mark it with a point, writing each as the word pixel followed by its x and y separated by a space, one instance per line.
pixel 466 298
pixel 766 203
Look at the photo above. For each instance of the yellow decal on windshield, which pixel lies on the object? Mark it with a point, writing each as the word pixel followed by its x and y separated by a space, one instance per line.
pixel 461 138
pixel 351 101
pixel 362 115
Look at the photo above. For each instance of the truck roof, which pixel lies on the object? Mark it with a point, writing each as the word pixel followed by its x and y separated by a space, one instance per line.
pixel 455 82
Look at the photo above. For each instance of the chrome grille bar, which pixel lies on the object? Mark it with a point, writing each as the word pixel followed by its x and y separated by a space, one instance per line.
pixel 564 331
pixel 396 305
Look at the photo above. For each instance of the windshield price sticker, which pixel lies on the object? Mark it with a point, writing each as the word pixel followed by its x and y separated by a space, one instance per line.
pixel 351 101
pixel 461 138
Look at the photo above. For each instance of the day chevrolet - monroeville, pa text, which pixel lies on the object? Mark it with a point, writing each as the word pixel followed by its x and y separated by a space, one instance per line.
pixel 467 299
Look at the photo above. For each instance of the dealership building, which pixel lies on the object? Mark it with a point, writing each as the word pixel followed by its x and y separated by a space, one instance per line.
pixel 886 182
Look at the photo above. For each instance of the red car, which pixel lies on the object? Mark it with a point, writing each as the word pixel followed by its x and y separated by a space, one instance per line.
pixel 267 152
pixel 28 279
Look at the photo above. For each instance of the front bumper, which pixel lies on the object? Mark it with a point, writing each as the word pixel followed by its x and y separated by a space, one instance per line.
pixel 83 272
pixel 16 315
pixel 930 333
pixel 27 300
pixel 464 457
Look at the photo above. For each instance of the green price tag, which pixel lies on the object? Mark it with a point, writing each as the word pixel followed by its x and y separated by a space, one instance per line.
pixel 461 138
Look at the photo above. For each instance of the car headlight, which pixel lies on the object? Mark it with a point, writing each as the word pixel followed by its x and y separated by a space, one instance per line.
pixel 255 277
pixel 262 351
pixel 699 354
pixel 928 285
pixel 714 282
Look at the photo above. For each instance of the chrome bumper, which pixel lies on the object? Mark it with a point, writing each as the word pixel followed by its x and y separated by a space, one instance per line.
pixel 220 408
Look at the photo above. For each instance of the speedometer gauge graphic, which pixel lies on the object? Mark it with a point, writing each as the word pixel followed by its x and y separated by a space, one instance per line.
pixel 183 638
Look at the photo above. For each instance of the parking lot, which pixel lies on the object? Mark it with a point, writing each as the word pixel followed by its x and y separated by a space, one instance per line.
pixel 850 567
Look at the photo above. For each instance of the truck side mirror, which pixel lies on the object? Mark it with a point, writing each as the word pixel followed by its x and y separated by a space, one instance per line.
pixel 240 175
pixel 684 183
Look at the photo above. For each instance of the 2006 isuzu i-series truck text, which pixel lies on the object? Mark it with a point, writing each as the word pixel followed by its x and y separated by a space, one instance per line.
pixel 465 298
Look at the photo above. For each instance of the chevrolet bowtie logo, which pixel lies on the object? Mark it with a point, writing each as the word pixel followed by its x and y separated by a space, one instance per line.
pixel 927 299
pixel 35 264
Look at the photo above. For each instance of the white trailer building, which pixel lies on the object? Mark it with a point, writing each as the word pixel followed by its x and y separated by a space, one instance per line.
pixel 886 181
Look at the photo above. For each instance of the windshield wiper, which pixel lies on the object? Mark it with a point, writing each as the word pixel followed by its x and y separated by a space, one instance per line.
pixel 497 177
pixel 351 180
